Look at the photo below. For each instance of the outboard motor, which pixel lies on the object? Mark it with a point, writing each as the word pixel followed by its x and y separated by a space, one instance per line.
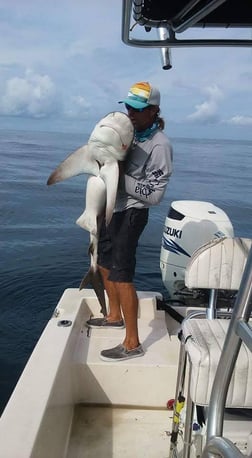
pixel 188 225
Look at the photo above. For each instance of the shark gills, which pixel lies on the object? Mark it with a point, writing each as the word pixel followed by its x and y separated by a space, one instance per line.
pixel 108 143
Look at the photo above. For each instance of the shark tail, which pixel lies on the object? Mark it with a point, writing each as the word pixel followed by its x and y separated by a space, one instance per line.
pixel 94 279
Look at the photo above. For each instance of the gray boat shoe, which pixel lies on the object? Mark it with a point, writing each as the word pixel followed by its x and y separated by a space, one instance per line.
pixel 97 323
pixel 120 353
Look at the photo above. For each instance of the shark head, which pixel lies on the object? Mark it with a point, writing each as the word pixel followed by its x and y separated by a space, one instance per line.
pixel 111 137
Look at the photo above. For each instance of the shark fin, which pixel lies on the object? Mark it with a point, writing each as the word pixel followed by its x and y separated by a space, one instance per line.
pixel 88 221
pixel 76 163
pixel 94 279
pixel 95 204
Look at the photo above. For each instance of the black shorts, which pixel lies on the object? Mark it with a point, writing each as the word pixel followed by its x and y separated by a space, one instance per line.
pixel 118 243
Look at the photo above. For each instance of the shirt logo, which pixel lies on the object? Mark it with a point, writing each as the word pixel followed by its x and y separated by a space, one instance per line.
pixel 144 189
pixel 157 173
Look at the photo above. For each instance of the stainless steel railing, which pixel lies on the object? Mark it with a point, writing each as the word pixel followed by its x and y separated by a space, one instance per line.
pixel 239 330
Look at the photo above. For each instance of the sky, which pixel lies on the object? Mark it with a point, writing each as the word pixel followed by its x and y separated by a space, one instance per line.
pixel 63 66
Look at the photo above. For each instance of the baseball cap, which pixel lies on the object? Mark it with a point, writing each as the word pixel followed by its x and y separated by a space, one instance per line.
pixel 141 95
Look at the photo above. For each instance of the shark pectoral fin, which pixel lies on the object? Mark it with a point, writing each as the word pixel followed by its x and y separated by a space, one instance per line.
pixel 95 204
pixel 94 279
pixel 110 174
pixel 88 221
pixel 76 163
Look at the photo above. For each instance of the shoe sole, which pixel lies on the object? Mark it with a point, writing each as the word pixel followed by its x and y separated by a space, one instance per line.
pixel 115 360
pixel 105 327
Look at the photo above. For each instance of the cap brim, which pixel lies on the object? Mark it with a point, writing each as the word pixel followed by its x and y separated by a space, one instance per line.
pixel 134 103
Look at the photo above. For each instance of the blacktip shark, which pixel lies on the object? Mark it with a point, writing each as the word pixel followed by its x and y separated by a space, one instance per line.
pixel 108 143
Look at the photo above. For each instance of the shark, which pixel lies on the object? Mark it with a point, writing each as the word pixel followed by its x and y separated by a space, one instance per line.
pixel 108 144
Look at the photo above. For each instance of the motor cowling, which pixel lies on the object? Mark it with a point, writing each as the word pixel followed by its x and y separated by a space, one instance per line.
pixel 188 225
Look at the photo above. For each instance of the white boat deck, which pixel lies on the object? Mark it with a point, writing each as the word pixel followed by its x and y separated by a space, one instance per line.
pixel 90 408
pixel 119 432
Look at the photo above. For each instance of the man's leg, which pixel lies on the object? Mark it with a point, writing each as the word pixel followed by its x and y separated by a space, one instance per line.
pixel 123 295
pixel 125 230
pixel 130 348
pixel 129 303
pixel 114 313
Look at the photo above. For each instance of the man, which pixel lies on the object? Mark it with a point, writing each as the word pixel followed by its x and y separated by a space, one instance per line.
pixel 143 181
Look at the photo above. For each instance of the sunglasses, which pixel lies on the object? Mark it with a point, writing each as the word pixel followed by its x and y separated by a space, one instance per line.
pixel 137 110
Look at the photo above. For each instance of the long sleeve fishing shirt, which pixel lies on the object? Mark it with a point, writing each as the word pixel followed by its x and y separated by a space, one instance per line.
pixel 147 170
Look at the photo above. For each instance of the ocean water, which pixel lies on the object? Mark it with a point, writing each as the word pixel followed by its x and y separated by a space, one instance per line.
pixel 43 251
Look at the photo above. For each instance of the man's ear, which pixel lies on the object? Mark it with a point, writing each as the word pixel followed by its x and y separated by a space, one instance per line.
pixel 155 109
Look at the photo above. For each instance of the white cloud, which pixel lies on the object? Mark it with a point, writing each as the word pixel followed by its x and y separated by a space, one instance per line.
pixel 78 107
pixel 79 72
pixel 240 120
pixel 33 95
pixel 207 111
